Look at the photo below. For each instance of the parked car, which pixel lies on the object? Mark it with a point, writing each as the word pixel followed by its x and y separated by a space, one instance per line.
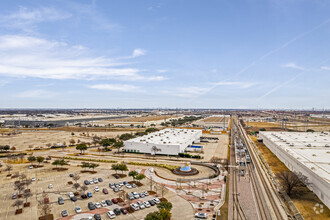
pixel 91 182
pixel 97 205
pixel 103 204
pixel 151 202
pixel 14 196
pixel 86 182
pixel 71 175
pixel 125 182
pixel 71 194
pixel 156 200
pixel 141 195
pixel 111 214
pixel 133 185
pixel 130 196
pixel 117 211
pixel 64 213
pixel 96 189
pixel 60 201
pixel 116 190
pixel 146 204
pixel 135 207
pixel 114 201
pixel 78 209
pixel 33 179
pixel 124 211
pixel 201 215
pixel 116 176
pixel 112 186
pixel 91 206
pixel 100 180
pixel 50 186
pixel 108 201
pixel 89 194
pixel 128 186
pixel 73 198
pixel 105 191
pixel 97 217
pixel 120 183
pixel 140 204
pixel 95 180
pixel 136 195
pixel 145 193
pixel 30 167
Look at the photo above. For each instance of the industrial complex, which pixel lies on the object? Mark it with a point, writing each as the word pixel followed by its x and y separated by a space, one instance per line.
pixel 214 122
pixel 168 141
pixel 304 152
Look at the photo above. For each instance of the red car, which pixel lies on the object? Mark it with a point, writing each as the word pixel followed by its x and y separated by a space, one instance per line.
pixel 105 191
pixel 114 200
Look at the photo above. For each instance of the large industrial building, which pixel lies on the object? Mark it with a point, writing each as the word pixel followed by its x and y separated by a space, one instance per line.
pixel 168 141
pixel 305 152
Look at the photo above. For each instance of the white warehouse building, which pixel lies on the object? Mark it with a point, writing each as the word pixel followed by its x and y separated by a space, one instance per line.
pixel 169 141
pixel 305 152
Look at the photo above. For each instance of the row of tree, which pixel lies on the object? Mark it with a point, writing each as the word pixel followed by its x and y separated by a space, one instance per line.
pixel 163 213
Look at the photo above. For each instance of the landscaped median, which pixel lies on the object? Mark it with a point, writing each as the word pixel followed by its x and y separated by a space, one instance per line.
pixel 170 167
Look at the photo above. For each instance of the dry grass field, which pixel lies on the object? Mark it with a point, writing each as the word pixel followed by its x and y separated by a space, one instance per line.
pixel 303 198
pixel 142 119
pixel 215 119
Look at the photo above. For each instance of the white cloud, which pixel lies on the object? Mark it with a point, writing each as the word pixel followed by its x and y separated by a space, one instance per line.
pixel 162 71
pixel 187 92
pixel 25 56
pixel 214 71
pixel 293 66
pixel 243 85
pixel 116 87
pixel 325 67
pixel 138 52
pixel 39 93
pixel 24 18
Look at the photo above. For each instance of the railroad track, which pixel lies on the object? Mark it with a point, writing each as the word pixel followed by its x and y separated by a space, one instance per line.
pixel 271 197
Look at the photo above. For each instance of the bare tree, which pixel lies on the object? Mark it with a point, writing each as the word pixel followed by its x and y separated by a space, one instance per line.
pixel 215 160
pixel 84 188
pixel 291 180
pixel 27 194
pixel 21 156
pixel 28 182
pixel 76 186
pixel 19 186
pixel 22 176
pixel 76 177
pixel 163 189
pixel 8 168
pixel 44 207
pixel 17 203
pixel 123 195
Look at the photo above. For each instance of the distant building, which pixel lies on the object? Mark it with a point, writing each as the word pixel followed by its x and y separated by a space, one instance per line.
pixel 169 141
pixel 304 152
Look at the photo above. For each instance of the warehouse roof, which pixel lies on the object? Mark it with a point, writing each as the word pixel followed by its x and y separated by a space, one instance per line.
pixel 169 136
pixel 311 149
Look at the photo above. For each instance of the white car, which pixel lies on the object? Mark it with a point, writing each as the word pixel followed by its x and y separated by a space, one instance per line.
pixel 111 214
pixel 201 215
pixel 78 209
pixel 30 167
pixel 97 205
pixel 156 200
pixel 91 182
pixel 71 194
pixel 128 186
pixel 135 207
pixel 140 204
pixel 146 204
pixel 50 186
pixel 96 189
pixel 103 203
pixel 95 180
pixel 136 195
pixel 33 179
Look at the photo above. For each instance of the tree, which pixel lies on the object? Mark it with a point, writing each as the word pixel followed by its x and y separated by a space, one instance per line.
pixel 96 140
pixel 27 182
pixel 151 182
pixel 126 136
pixel 122 167
pixel 72 141
pixel 13 149
pixel 76 177
pixel 153 216
pixel 215 160
pixel 40 159
pixel 150 130
pixel 163 189
pixel 93 165
pixel 55 163
pixel 63 163
pixel 115 167
pixel 17 203
pixel 27 194
pixel 140 177
pixel 84 165
pixel 76 186
pixel 118 145
pixel 165 205
pixel 31 159
pixel 164 214
pixel 21 156
pixel 84 188
pixel 19 186
pixel 133 174
pixel 82 147
pixel 107 142
pixel 8 168
pixel 291 180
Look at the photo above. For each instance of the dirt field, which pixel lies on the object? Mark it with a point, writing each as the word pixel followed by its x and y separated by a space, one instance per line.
pixel 40 138
pixel 303 198
pixel 218 149
pixel 142 119
pixel 215 119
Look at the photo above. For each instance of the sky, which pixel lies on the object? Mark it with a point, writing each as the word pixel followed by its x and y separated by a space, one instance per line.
pixel 270 54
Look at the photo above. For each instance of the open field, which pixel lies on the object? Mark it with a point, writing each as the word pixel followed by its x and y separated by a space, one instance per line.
pixel 303 198
pixel 216 119
pixel 142 119
pixel 276 126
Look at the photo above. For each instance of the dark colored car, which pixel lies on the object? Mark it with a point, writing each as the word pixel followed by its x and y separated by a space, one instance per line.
pixel 100 180
pixel 124 211
pixel 84 196
pixel 64 213
pixel 114 200
pixel 71 175
pixel 73 198
pixel 108 202
pixel 116 176
pixel 125 182
pixel 97 217
pixel 86 182
pixel 91 206
pixel 60 201
pixel 117 211
pixel 152 203
pixel 105 191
